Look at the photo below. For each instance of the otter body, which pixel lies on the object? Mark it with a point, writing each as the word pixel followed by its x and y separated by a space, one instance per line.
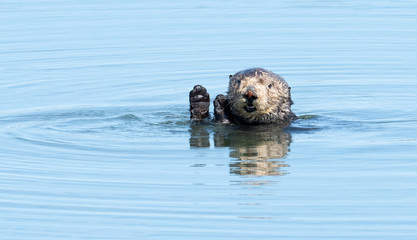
pixel 255 96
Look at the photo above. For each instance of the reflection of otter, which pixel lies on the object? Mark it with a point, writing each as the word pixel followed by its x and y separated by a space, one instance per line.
pixel 254 151
pixel 256 96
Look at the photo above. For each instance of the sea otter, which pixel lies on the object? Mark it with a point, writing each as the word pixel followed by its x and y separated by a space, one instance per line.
pixel 255 96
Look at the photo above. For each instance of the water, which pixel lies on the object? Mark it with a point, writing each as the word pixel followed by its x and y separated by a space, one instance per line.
pixel 95 141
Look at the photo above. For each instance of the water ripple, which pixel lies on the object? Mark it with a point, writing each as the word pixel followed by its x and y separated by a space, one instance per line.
pixel 89 130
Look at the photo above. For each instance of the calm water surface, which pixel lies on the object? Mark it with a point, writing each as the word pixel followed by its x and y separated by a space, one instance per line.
pixel 95 139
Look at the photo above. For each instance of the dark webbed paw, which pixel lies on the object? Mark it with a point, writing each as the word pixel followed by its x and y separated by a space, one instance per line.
pixel 199 103
pixel 221 109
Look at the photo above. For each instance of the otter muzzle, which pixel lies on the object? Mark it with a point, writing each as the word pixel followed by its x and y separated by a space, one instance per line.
pixel 249 109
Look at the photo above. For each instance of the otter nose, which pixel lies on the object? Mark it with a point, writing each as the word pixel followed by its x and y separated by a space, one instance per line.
pixel 250 95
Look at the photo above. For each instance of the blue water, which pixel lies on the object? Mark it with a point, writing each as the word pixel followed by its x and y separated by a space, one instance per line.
pixel 96 143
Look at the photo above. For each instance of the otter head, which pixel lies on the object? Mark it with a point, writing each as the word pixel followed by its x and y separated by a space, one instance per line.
pixel 259 96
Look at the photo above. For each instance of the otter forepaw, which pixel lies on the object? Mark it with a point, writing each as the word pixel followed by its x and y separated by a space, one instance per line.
pixel 199 103
pixel 221 109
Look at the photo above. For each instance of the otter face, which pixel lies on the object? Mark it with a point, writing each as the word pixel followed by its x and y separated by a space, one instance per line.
pixel 259 96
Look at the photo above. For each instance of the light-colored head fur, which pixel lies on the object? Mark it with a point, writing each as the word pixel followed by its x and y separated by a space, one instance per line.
pixel 260 96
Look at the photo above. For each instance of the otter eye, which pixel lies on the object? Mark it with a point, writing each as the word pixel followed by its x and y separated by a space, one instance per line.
pixel 270 85
pixel 238 81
